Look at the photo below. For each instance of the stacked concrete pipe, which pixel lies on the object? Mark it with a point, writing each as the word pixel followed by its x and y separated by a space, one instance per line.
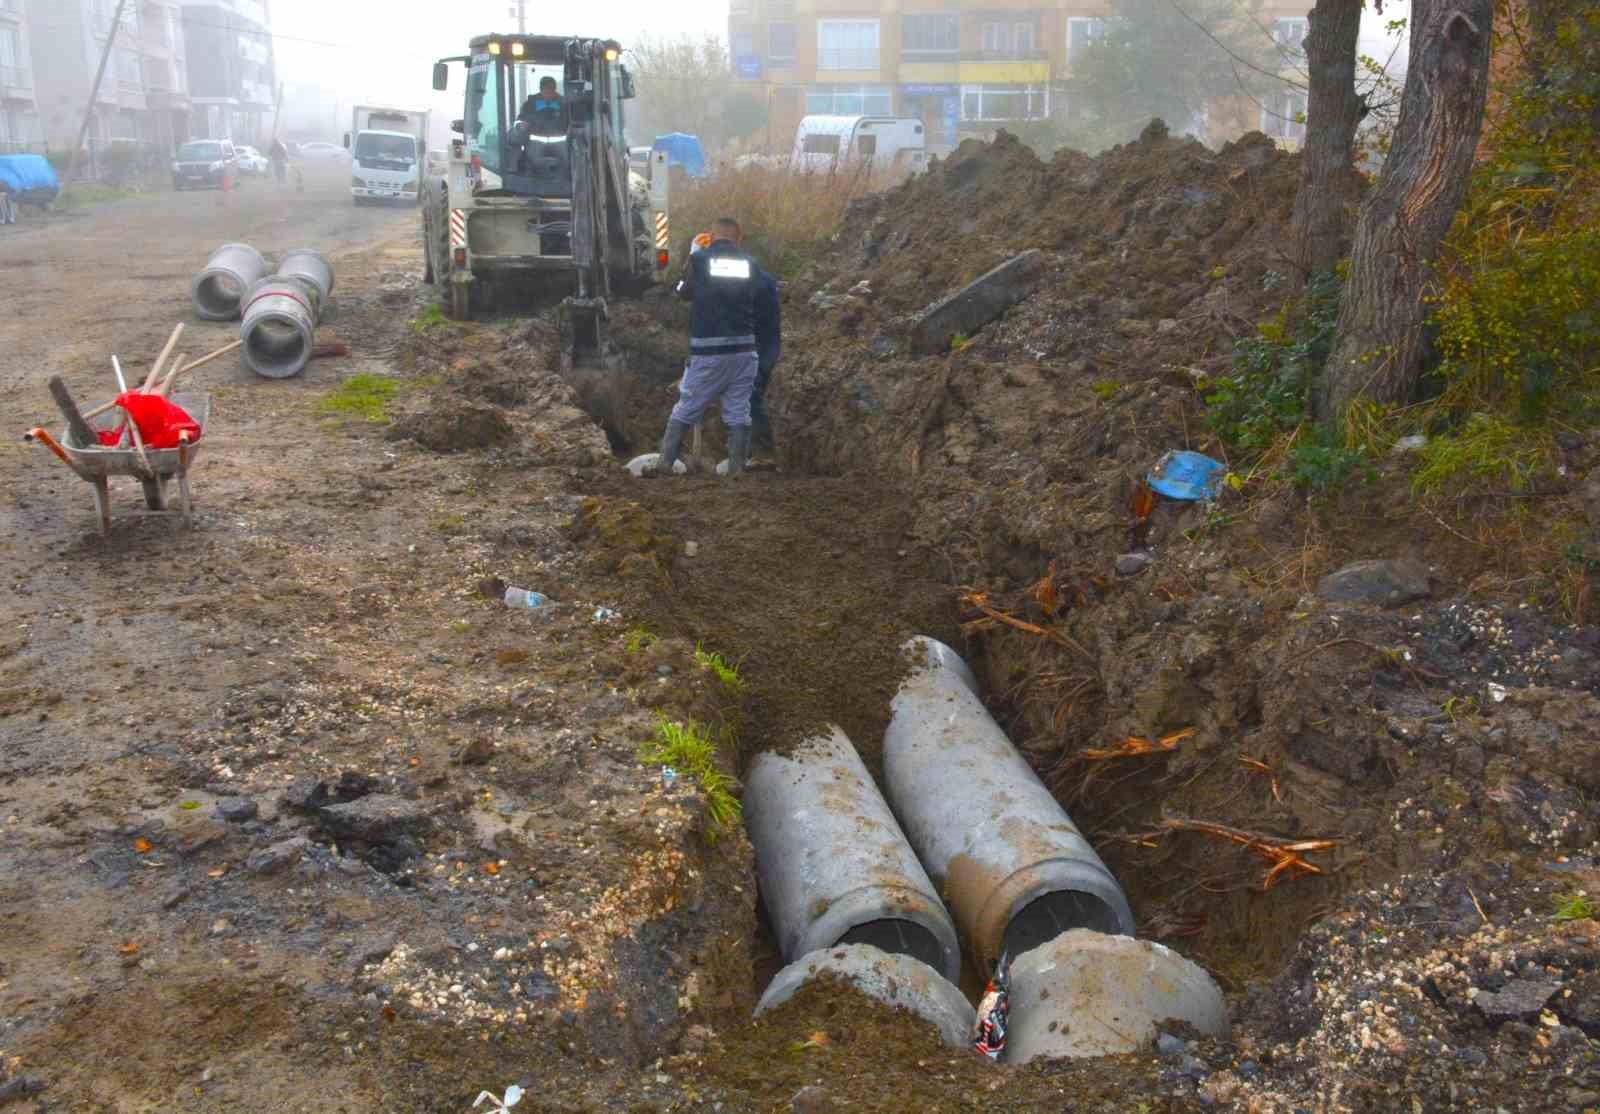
pixel 281 314
pixel 1013 867
pixel 222 283
pixel 834 866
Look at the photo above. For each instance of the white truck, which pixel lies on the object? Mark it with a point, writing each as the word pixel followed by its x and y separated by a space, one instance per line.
pixel 387 146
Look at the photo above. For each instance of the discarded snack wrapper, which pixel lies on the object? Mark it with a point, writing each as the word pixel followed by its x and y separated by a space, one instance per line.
pixel 989 1029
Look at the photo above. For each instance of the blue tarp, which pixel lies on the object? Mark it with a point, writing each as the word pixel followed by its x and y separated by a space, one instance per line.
pixel 685 151
pixel 30 175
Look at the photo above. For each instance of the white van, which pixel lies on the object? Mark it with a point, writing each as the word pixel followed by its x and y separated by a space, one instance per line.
pixel 883 142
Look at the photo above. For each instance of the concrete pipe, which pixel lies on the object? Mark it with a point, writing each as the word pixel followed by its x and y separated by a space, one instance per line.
pixel 221 285
pixel 1013 867
pixel 1088 994
pixel 834 866
pixel 279 320
pixel 895 980
pixel 310 268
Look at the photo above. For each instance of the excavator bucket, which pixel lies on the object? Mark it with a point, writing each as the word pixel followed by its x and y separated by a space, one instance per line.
pixel 586 334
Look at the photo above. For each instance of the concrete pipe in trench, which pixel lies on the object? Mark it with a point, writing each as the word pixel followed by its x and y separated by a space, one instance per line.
pixel 1089 994
pixel 834 866
pixel 309 267
pixel 220 287
pixel 896 980
pixel 279 321
pixel 1014 869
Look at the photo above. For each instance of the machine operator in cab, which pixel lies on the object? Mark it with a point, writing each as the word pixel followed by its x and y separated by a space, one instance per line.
pixel 542 111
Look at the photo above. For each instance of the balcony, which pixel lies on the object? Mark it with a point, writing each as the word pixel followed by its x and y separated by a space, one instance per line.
pixel 10 11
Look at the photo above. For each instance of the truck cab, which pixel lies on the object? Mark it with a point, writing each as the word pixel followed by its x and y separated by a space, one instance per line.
pixel 387 146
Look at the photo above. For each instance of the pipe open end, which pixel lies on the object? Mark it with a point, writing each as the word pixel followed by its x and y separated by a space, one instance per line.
pixel 898 937
pixel 217 295
pixel 276 346
pixel 1058 912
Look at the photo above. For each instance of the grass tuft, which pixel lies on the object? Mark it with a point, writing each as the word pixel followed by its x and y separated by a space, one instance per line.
pixel 639 640
pixel 361 396
pixel 83 195
pixel 1576 907
pixel 727 674
pixel 1486 448
pixel 429 320
pixel 691 749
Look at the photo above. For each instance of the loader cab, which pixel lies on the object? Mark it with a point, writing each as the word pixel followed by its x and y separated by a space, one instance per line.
pixel 526 153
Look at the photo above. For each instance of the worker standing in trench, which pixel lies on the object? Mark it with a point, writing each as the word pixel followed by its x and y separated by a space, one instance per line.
pixel 723 285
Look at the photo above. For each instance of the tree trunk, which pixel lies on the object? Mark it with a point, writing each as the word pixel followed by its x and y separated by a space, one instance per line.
pixel 1328 185
pixel 1380 341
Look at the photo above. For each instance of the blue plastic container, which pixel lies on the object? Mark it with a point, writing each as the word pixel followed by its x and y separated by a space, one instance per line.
pixel 1192 477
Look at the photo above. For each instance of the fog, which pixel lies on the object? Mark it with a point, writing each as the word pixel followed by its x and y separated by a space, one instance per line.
pixel 332 54
pixel 335 53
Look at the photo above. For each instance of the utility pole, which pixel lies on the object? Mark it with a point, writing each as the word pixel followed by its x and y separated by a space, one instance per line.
pixel 94 91
pixel 522 17
pixel 277 111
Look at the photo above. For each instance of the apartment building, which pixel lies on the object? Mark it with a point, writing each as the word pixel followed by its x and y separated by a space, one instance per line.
pixel 232 70
pixel 20 129
pixel 963 66
pixel 141 97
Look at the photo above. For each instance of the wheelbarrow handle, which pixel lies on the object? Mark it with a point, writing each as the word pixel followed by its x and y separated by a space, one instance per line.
pixel 38 434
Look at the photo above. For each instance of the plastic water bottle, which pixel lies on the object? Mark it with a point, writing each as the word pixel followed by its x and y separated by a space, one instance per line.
pixel 669 778
pixel 522 597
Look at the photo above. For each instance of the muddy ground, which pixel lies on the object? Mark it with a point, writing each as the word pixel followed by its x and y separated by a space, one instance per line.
pixel 298 816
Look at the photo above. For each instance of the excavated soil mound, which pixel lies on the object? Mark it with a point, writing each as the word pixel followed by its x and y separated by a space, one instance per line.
pixel 454 428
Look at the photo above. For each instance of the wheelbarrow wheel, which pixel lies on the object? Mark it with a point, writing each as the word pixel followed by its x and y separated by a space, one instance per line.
pixel 155 493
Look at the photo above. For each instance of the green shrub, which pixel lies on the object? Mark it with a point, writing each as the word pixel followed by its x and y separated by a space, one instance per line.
pixel 1268 393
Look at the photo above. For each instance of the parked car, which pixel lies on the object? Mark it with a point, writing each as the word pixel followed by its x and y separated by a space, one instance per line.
pixel 438 162
pixel 205 164
pixel 320 150
pixel 252 161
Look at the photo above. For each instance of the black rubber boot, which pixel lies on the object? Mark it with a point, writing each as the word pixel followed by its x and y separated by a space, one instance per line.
pixel 738 449
pixel 671 443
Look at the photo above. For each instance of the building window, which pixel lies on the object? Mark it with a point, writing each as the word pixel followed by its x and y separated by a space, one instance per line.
pixel 1081 34
pixel 743 43
pixel 1004 102
pixel 930 37
pixel 1291 36
pixel 850 100
pixel 780 43
pixel 128 76
pixel 1007 39
pixel 847 44
pixel 1283 116
pixel 8 50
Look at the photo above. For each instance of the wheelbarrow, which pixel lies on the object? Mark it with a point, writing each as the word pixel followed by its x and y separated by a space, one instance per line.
pixel 155 469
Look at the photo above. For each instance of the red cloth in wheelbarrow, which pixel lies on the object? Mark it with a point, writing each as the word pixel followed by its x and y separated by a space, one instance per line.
pixel 160 422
